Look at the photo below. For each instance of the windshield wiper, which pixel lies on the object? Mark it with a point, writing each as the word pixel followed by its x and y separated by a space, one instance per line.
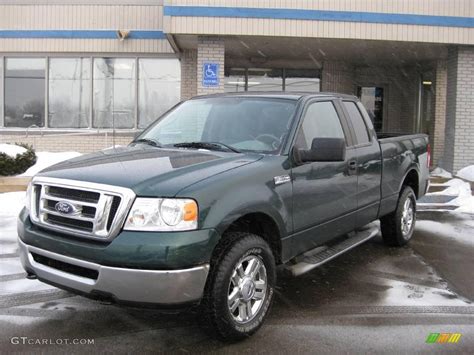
pixel 148 141
pixel 206 145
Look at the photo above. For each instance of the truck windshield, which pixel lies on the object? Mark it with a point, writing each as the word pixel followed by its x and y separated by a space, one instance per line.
pixel 240 124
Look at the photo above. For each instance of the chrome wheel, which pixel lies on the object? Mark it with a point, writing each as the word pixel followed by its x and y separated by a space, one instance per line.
pixel 408 216
pixel 247 288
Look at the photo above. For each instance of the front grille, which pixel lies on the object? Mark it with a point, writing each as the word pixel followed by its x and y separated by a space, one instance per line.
pixel 113 210
pixel 70 223
pixel 78 195
pixel 79 208
pixel 66 267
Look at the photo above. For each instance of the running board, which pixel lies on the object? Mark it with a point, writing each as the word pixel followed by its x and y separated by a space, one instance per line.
pixel 313 260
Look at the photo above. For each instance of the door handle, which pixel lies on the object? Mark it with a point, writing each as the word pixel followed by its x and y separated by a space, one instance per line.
pixel 352 166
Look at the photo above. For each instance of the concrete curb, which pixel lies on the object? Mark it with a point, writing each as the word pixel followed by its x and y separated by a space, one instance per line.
pixel 13 183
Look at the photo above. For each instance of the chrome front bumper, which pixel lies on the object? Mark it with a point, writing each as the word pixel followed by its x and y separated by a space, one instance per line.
pixel 165 287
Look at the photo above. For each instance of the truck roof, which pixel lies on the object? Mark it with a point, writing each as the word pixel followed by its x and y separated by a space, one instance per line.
pixel 279 95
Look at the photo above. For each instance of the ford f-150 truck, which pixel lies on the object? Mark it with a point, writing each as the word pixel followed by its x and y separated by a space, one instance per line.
pixel 207 202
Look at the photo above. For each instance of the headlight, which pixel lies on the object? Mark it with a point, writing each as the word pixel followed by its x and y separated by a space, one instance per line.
pixel 28 196
pixel 162 214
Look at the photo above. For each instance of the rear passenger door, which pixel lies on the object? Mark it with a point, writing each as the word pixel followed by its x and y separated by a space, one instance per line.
pixel 324 193
pixel 369 164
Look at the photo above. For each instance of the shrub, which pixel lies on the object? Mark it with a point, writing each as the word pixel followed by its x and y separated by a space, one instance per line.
pixel 19 164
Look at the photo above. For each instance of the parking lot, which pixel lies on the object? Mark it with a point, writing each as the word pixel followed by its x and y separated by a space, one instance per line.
pixel 371 299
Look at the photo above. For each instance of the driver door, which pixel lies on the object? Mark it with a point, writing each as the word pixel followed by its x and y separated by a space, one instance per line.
pixel 324 193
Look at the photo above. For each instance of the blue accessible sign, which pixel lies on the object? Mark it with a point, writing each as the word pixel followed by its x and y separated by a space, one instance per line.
pixel 210 75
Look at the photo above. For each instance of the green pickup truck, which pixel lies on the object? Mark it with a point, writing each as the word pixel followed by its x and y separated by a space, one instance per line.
pixel 208 202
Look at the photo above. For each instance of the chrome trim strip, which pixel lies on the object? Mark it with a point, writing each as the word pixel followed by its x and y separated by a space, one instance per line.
pixel 56 198
pixel 103 206
pixel 76 217
pixel 134 285
pixel 282 179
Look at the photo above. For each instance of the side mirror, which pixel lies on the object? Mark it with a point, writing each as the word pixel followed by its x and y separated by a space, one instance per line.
pixel 324 149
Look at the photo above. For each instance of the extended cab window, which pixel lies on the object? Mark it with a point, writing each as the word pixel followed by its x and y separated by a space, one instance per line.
pixel 320 121
pixel 360 128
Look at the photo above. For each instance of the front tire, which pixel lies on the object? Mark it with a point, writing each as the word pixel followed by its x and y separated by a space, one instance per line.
pixel 240 288
pixel 398 226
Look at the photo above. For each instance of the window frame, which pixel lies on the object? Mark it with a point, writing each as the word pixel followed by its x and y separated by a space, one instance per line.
pixel 301 114
pixel 47 57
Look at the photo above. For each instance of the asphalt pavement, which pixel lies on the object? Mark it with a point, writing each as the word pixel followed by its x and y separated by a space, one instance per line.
pixel 372 299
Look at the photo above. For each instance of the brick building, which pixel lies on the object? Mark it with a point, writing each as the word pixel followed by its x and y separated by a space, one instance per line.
pixel 83 75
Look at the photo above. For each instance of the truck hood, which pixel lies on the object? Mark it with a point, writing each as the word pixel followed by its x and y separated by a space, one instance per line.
pixel 148 171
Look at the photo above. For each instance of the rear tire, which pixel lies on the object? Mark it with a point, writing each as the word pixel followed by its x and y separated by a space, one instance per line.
pixel 398 226
pixel 240 288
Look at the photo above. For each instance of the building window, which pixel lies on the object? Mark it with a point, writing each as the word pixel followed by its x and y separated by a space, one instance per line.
pixel 69 92
pixel 372 98
pixel 253 79
pixel 265 80
pixel 302 80
pixel 24 92
pixel 158 88
pixel 114 93
pixel 87 92
pixel 235 80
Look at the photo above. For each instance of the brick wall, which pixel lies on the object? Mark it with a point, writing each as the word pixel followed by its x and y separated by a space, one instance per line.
pixel 338 77
pixel 210 49
pixel 459 132
pixel 400 92
pixel 437 140
pixel 188 74
pixel 83 143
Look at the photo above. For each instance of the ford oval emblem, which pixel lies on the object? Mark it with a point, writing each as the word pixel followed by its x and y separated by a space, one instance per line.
pixel 64 207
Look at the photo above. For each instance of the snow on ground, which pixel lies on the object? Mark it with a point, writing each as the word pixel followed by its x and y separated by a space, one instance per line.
pixel 438 172
pixel 466 173
pixel 46 159
pixel 459 229
pixel 11 204
pixel 12 150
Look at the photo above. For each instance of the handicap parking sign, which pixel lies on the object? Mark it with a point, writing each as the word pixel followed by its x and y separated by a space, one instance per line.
pixel 210 75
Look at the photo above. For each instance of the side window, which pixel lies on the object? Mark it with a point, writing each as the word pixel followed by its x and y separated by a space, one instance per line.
pixel 360 128
pixel 320 121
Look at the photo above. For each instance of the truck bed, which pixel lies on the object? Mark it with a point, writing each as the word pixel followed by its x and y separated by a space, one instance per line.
pixel 400 152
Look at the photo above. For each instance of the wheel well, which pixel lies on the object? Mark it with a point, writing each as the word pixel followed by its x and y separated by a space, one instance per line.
pixel 262 225
pixel 412 180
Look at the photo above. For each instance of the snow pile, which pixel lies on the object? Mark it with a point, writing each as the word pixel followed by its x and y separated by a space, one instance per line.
pixel 456 187
pixel 464 198
pixel 462 191
pixel 46 159
pixel 438 172
pixel 12 150
pixel 466 173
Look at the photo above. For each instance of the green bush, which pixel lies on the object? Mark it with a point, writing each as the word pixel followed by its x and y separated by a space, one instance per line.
pixel 19 164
